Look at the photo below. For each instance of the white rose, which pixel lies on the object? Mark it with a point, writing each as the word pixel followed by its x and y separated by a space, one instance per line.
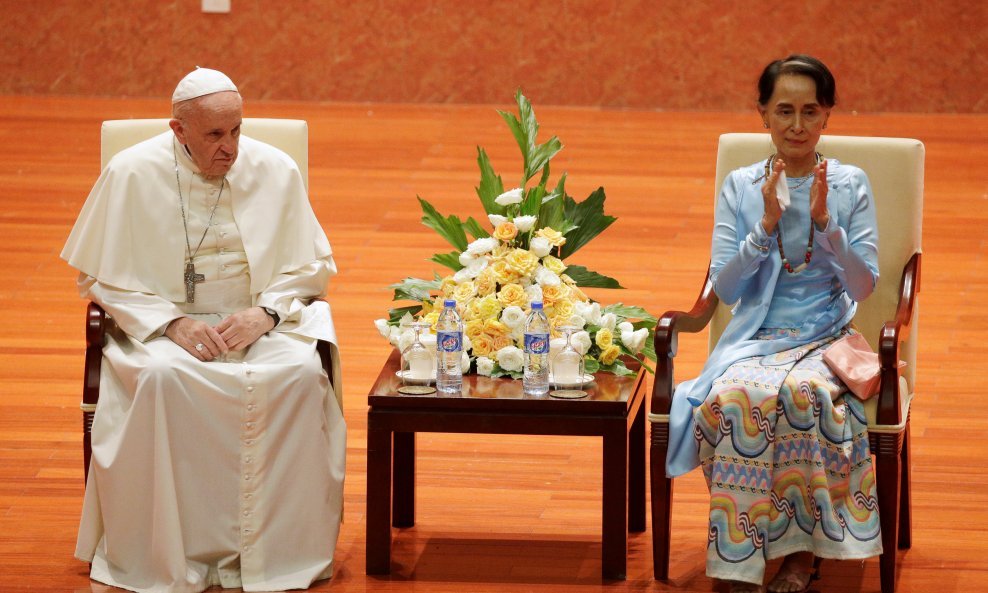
pixel 625 326
pixel 545 276
pixel 485 366
pixel 405 338
pixel 577 321
pixel 540 247
pixel 518 334
pixel 588 311
pixel 512 196
pixel 496 219
pixel 473 269
pixel 467 344
pixel 482 246
pixel 634 340
pixel 466 258
pixel 525 223
pixel 511 358
pixel 534 293
pixel 608 320
pixel 513 316
pixel 383 327
pixel 582 342
pixel 465 361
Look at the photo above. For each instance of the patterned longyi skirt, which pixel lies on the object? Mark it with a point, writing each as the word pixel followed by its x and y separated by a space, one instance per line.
pixel 784 450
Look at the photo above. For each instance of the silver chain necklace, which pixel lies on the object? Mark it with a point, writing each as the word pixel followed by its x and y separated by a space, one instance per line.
pixel 190 276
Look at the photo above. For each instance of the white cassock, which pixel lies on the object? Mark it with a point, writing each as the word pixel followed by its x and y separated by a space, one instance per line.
pixel 227 472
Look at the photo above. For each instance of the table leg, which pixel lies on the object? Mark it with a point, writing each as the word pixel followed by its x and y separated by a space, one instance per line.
pixel 378 497
pixel 403 502
pixel 636 473
pixel 614 548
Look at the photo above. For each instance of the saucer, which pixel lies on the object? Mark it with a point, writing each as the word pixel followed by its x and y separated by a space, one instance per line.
pixel 587 379
pixel 401 375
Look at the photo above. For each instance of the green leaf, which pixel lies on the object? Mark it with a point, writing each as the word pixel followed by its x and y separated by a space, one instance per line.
pixel 449 228
pixel 518 131
pixel 551 214
pixel 451 260
pixel 585 277
pixel 590 365
pixel 473 227
pixel 490 186
pixel 618 368
pixel 631 312
pixel 589 218
pixel 414 289
pixel 533 201
pixel 395 315
pixel 541 155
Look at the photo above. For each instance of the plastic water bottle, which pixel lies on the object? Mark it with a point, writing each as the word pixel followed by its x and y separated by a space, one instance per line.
pixel 449 349
pixel 536 380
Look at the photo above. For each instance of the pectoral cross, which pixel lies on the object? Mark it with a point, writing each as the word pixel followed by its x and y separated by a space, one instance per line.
pixel 191 278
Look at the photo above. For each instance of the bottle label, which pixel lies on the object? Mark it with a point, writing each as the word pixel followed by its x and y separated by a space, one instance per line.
pixel 449 341
pixel 537 343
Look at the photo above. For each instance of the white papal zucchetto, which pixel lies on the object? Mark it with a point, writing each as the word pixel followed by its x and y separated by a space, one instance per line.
pixel 201 82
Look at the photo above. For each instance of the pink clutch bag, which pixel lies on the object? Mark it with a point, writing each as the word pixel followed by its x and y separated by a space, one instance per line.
pixel 856 364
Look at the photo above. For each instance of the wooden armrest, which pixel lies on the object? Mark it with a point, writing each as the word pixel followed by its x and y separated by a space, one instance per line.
pixel 666 342
pixel 893 333
pixel 96 324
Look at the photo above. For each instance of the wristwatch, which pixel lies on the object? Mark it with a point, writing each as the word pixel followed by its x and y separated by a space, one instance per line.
pixel 274 315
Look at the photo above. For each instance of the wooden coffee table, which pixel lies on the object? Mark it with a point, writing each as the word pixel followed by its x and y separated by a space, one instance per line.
pixel 613 410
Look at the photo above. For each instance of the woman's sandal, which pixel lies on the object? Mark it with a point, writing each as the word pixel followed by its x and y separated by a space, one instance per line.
pixel 794 576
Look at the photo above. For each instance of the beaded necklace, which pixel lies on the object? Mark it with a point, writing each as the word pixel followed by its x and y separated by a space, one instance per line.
pixel 778 237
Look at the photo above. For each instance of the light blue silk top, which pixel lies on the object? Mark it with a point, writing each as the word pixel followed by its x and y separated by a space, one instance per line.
pixel 746 270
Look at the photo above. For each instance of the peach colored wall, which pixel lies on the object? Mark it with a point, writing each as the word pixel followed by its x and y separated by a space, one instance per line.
pixel 894 55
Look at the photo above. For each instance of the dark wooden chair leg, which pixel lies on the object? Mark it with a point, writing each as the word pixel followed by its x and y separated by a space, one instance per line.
pixel 905 496
pixel 661 501
pixel 889 476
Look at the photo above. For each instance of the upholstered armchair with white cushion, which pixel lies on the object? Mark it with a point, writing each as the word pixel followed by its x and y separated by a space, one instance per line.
pixel 888 319
pixel 289 135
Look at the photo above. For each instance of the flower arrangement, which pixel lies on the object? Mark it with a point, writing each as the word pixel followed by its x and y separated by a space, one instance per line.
pixel 523 258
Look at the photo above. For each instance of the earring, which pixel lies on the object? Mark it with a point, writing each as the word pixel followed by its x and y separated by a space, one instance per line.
pixel 765 123
pixel 825 125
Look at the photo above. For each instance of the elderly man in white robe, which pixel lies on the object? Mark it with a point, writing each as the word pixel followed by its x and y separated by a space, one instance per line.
pixel 218 441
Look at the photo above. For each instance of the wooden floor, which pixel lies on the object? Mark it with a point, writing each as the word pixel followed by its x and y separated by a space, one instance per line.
pixel 495 513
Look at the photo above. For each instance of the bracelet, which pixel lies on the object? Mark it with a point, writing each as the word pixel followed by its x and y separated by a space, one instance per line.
pixel 762 248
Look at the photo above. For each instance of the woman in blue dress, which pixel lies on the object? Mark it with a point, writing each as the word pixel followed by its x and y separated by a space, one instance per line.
pixel 782 443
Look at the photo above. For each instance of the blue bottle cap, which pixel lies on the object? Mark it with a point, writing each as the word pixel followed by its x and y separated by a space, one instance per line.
pixel 537 305
pixel 449 303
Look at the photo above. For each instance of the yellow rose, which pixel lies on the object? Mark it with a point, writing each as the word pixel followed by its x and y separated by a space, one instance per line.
pixel 486 282
pixel 502 341
pixel 605 338
pixel 555 323
pixel 473 328
pixel 553 264
pixel 551 294
pixel 554 237
pixel 506 231
pixel 563 309
pixel 501 251
pixel 486 308
pixel 447 287
pixel 427 307
pixel 495 329
pixel 504 273
pixel 610 354
pixel 523 262
pixel 482 345
pixel 464 292
pixel 513 294
pixel 431 319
